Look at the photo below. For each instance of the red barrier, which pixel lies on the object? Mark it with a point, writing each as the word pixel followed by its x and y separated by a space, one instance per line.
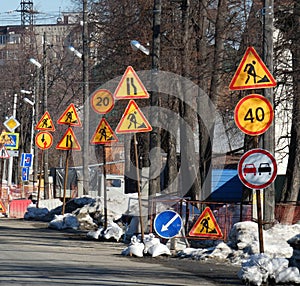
pixel 17 208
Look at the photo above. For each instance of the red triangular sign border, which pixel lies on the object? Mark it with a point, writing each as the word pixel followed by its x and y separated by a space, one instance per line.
pixel 75 124
pixel 124 116
pixel 219 233
pixel 69 130
pixel 6 156
pixel 239 70
pixel 93 140
pixel 46 128
pixel 116 95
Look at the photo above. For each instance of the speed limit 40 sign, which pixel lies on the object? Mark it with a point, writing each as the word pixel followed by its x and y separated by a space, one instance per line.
pixel 253 114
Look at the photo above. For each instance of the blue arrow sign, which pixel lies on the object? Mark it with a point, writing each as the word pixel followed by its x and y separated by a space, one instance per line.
pixel 26 160
pixel 167 224
pixel 25 174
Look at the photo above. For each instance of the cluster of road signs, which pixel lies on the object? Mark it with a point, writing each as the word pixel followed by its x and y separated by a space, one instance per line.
pixel 168 224
pixel 254 114
pixel 102 102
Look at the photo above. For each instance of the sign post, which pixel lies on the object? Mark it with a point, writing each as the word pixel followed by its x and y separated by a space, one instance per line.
pixel 257 169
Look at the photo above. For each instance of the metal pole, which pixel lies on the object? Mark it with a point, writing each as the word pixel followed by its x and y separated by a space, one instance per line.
pixel 65 182
pixel 269 135
pixel 155 139
pixel 11 159
pixel 45 106
pixel 36 118
pixel 138 185
pixel 259 222
pixel 85 153
pixel 105 189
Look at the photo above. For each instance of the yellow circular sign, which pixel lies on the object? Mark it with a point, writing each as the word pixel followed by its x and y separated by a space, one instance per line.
pixel 253 114
pixel 102 101
pixel 44 140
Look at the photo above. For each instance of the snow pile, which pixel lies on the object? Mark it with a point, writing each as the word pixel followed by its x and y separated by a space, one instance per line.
pixel 113 231
pixel 151 245
pixel 260 268
pixel 243 248
pixel 67 221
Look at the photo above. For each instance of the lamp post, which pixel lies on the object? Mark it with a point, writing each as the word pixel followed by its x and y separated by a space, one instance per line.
pixel 36 113
pixel 85 71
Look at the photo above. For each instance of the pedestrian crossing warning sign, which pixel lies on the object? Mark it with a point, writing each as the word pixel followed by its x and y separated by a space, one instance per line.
pixel 252 73
pixel 133 120
pixel 70 117
pixel 2 208
pixel 130 86
pixel 68 141
pixel 103 134
pixel 45 123
pixel 206 226
pixel 3 153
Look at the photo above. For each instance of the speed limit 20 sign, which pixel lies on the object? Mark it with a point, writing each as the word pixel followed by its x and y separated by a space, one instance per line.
pixel 102 101
pixel 253 114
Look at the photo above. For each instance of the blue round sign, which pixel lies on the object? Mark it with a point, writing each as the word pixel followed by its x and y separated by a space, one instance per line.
pixel 167 224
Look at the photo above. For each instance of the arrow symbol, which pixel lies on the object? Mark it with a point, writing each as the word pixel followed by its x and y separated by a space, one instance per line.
pixel 43 138
pixel 166 226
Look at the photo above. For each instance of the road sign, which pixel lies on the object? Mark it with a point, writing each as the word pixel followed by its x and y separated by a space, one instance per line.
pixel 253 114
pixel 3 153
pixel 2 208
pixel 102 101
pixel 13 143
pixel 11 124
pixel 26 160
pixel 206 226
pixel 45 123
pixel 130 86
pixel 167 224
pixel 133 120
pixel 44 140
pixel 70 117
pixel 257 169
pixel 252 73
pixel 103 134
pixel 25 174
pixel 4 138
pixel 68 141
pixel 13 153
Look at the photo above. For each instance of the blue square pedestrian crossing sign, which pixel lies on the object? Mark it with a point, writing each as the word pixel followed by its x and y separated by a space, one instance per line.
pixel 26 160
pixel 25 174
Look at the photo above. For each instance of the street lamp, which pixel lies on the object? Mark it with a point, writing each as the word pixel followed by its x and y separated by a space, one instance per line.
pixel 76 53
pixel 136 45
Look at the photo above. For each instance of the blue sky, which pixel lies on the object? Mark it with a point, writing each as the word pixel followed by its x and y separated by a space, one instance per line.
pixel 49 10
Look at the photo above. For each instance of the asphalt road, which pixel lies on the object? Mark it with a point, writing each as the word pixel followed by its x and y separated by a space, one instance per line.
pixel 32 254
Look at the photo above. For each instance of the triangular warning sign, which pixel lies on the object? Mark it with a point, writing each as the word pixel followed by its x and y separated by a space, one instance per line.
pixel 68 141
pixel 103 134
pixel 252 73
pixel 206 226
pixel 70 117
pixel 3 153
pixel 133 120
pixel 45 123
pixel 2 208
pixel 130 86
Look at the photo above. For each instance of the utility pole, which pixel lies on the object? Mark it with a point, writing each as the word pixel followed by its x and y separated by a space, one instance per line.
pixel 155 140
pixel 45 106
pixel 85 63
pixel 269 135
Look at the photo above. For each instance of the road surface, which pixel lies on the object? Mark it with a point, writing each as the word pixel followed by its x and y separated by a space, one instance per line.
pixel 32 254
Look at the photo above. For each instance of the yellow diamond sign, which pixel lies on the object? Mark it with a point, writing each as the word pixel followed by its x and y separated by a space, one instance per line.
pixel 11 124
